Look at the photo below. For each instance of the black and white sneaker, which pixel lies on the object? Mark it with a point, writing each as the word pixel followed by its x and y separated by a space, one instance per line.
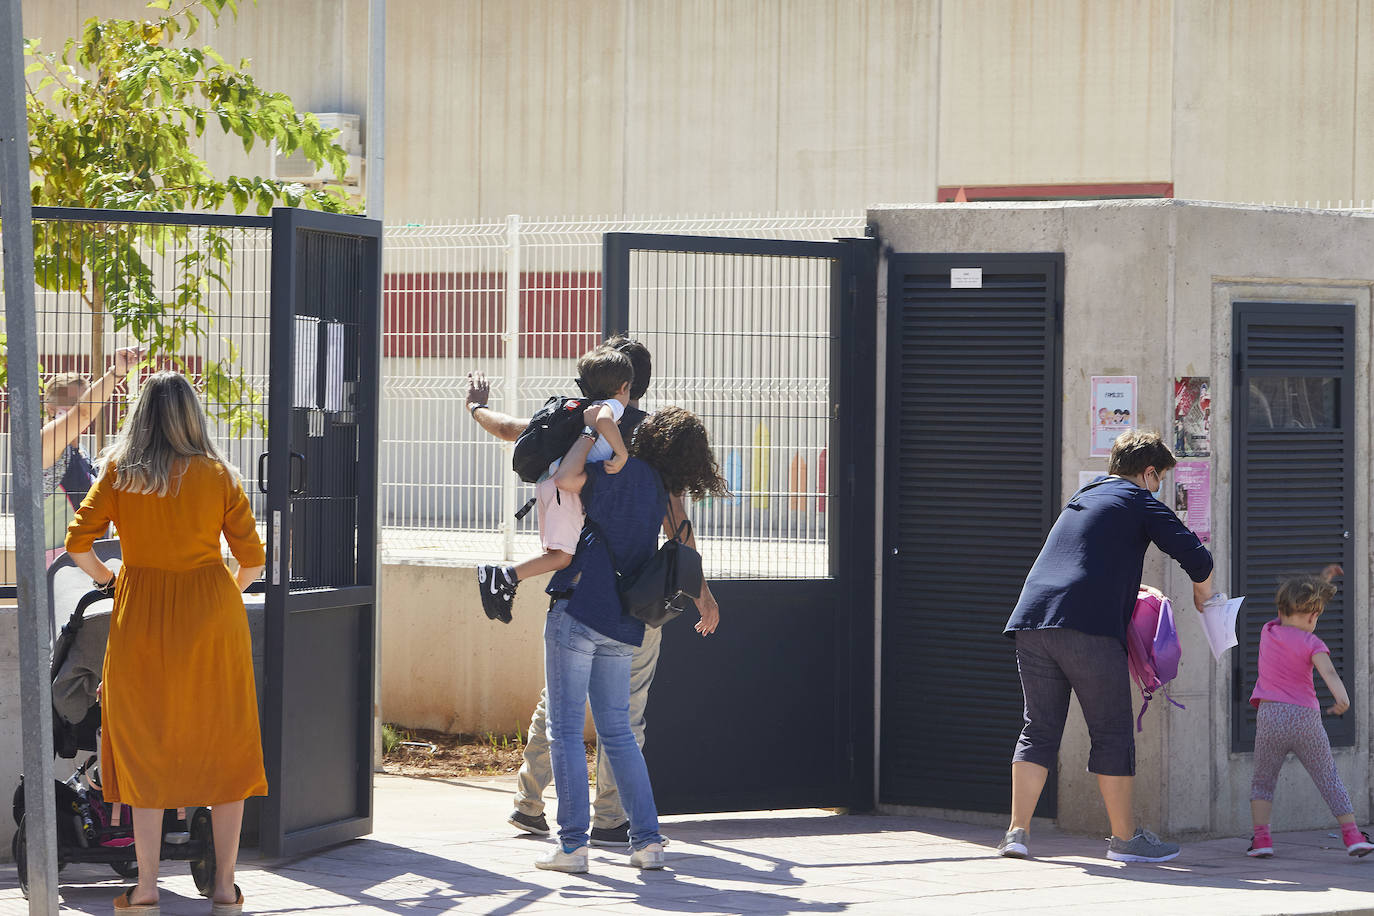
pixel 497 585
pixel 530 823
pixel 611 836
pixel 616 836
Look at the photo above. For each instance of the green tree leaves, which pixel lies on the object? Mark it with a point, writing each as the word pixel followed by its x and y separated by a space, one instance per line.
pixel 113 122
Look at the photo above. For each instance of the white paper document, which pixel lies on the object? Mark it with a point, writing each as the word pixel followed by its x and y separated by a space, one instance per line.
pixel 1219 622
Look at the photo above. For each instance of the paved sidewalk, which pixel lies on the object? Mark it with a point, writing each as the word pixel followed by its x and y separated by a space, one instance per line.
pixel 444 847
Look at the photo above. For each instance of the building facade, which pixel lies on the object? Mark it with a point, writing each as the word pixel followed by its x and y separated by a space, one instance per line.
pixel 655 107
pixel 1270 310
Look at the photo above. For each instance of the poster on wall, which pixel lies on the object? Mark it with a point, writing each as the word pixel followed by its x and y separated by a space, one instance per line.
pixel 1192 416
pixel 1113 410
pixel 1193 497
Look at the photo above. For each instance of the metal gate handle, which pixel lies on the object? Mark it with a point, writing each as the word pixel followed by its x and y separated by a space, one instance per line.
pixel 295 489
pixel 299 489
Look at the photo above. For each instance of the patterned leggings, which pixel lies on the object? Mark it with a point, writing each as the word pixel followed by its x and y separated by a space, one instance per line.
pixel 1283 727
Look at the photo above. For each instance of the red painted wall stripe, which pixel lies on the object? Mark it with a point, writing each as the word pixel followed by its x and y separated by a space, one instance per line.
pixel 1104 191
pixel 462 313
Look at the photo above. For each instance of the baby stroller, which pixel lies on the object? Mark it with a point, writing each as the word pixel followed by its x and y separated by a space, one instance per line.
pixel 88 828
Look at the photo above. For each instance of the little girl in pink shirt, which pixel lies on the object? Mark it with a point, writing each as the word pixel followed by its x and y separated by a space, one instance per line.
pixel 1289 717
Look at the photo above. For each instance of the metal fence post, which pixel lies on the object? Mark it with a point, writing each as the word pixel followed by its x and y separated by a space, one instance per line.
pixel 511 340
pixel 35 691
pixel 375 188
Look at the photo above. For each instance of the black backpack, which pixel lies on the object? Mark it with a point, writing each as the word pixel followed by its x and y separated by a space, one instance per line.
pixel 667 583
pixel 551 432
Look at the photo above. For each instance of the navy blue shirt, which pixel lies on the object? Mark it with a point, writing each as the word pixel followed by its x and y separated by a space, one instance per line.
pixel 629 507
pixel 1088 572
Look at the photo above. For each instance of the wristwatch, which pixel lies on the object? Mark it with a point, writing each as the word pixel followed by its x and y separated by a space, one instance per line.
pixel 473 408
pixel 590 432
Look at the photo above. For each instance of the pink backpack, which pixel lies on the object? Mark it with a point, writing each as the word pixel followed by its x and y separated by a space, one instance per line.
pixel 1152 649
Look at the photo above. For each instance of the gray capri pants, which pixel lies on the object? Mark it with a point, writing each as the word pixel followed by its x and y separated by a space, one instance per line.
pixel 1053 662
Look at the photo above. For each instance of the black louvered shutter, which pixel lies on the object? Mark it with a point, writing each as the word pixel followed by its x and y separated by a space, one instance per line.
pixel 1294 487
pixel 972 489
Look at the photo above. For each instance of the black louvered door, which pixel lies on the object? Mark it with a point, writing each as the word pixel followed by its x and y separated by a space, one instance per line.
pixel 972 488
pixel 1294 492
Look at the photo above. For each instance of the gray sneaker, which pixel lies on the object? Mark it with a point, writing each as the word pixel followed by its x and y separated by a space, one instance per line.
pixel 1143 847
pixel 1013 845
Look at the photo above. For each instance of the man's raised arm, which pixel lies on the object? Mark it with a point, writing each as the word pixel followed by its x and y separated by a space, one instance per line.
pixel 500 425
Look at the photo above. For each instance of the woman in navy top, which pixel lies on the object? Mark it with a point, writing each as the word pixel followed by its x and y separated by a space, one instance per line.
pixel 588 641
pixel 1070 631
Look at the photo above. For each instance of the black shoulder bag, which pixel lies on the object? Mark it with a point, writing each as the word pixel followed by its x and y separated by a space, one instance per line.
pixel 665 585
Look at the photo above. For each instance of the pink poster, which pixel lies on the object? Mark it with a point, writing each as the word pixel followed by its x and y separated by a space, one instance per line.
pixel 1193 497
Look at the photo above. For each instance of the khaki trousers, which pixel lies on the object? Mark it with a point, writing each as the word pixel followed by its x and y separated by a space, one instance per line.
pixel 536 770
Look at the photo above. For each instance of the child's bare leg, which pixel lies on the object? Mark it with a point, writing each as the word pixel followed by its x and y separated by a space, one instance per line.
pixel 547 562
pixel 1260 811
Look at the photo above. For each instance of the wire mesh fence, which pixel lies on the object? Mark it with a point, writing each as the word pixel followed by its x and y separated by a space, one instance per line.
pixel 744 341
pixel 520 300
pixel 198 294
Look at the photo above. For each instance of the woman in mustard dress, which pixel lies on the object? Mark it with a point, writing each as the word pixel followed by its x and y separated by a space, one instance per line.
pixel 180 714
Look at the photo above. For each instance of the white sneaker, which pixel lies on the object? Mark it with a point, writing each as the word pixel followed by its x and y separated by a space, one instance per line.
pixel 649 857
pixel 574 863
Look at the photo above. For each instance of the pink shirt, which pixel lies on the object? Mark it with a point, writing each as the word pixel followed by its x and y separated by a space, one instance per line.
pixel 1285 666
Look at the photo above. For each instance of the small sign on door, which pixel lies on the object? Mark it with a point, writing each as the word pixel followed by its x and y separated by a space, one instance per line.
pixel 966 278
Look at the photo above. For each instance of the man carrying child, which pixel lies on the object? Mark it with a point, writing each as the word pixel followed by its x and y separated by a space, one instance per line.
pixel 606 376
pixel 610 826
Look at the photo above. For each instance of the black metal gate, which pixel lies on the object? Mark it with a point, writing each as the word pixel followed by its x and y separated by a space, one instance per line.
pixel 972 489
pixel 772 343
pixel 320 476
pixel 1294 473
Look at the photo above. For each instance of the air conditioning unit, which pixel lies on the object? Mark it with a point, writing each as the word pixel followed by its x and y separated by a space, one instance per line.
pixel 295 167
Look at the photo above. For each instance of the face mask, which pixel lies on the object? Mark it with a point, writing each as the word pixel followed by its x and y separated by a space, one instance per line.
pixel 1159 487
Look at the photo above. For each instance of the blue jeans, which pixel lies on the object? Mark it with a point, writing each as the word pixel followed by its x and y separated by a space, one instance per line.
pixel 581 665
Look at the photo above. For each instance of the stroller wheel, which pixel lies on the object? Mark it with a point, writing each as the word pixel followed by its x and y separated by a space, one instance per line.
pixel 19 847
pixel 125 869
pixel 203 837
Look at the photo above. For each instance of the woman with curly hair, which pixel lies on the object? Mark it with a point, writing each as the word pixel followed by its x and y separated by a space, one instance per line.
pixel 589 641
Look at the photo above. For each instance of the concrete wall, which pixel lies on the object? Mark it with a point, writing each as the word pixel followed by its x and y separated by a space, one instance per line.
pixel 310 50
pixel 691 106
pixel 1033 92
pixel 445 665
pixel 1149 288
pixel 1303 136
